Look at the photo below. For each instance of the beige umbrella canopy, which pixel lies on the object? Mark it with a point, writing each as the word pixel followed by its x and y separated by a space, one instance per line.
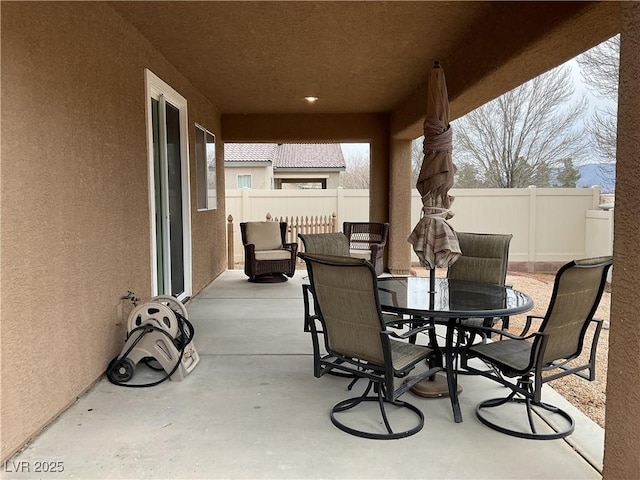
pixel 433 239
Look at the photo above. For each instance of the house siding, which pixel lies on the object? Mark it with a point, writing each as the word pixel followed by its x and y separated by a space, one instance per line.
pixel 260 176
pixel 75 230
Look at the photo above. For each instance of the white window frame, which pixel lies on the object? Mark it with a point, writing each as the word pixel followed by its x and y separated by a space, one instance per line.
pixel 156 87
pixel 211 201
pixel 244 175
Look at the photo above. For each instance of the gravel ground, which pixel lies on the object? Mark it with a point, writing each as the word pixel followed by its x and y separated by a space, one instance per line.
pixel 588 397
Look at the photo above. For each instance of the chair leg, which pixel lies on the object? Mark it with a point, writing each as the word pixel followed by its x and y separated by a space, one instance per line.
pixel 526 384
pixel 350 403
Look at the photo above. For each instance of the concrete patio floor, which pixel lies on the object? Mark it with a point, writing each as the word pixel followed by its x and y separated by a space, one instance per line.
pixel 253 409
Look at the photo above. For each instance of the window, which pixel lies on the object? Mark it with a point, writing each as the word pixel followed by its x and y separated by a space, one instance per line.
pixel 244 181
pixel 206 169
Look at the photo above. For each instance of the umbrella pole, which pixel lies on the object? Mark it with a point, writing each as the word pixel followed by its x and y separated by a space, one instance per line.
pixel 435 386
pixel 432 285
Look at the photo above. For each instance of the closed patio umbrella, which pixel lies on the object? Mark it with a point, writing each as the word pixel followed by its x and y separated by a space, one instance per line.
pixel 433 239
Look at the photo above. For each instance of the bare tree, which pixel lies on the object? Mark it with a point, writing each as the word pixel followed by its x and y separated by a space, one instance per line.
pixel 599 67
pixel 356 175
pixel 417 154
pixel 519 138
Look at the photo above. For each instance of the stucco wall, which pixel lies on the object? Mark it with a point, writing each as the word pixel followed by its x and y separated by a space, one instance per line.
pixel 75 205
pixel 622 436
pixel 260 176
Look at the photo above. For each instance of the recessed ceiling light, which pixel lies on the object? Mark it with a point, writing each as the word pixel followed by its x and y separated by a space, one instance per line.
pixel 311 99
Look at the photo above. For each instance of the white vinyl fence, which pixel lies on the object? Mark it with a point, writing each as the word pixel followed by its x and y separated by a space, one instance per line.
pixel 549 225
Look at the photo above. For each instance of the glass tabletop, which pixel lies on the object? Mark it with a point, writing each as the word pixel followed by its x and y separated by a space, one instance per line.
pixel 450 298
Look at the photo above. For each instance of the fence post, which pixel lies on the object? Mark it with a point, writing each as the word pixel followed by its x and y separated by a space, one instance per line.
pixel 340 203
pixel 533 214
pixel 230 257
pixel 334 220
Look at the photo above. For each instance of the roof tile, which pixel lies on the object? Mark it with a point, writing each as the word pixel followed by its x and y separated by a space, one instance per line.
pixel 309 155
pixel 249 152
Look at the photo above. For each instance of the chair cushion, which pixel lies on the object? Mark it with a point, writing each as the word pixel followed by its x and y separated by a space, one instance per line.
pixel 264 235
pixel 278 254
pixel 366 254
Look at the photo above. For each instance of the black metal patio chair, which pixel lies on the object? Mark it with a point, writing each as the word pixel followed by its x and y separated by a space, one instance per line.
pixel 555 346
pixel 358 343
pixel 484 259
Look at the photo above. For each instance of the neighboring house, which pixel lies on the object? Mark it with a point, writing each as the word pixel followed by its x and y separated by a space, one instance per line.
pixel 249 165
pixel 281 166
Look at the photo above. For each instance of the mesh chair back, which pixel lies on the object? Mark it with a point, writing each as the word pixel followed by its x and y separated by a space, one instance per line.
pixel 335 244
pixel 346 294
pixel 362 235
pixel 484 258
pixel 576 294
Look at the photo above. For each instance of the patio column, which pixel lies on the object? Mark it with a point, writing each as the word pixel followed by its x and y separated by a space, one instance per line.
pixel 378 180
pixel 400 207
pixel 622 434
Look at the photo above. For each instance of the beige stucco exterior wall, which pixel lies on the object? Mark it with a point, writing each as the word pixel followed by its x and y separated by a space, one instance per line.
pixel 399 251
pixel 622 435
pixel 261 177
pixel 75 228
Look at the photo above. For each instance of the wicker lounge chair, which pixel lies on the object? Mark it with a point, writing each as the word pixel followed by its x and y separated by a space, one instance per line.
pixel 367 240
pixel 267 256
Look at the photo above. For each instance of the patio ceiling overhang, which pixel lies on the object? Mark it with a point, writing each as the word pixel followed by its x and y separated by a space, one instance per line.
pixel 363 57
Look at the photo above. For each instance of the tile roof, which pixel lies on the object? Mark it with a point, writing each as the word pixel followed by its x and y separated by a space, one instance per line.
pixel 309 155
pixel 287 155
pixel 249 152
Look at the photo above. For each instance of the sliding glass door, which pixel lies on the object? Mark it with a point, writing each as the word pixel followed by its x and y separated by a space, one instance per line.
pixel 169 186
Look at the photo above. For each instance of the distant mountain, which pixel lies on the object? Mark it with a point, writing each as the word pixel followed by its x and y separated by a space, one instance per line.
pixel 602 174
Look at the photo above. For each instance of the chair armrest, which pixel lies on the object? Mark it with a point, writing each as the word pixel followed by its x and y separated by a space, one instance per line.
pixel 293 247
pixel 408 334
pixel 250 249
pixel 594 345
pixel 506 333
pixel 527 324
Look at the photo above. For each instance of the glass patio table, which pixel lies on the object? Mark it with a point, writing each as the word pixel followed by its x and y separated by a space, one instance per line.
pixel 448 302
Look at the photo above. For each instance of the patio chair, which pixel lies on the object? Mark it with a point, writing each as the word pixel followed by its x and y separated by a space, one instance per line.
pixel 367 240
pixel 555 346
pixel 484 259
pixel 336 244
pixel 267 256
pixel 348 312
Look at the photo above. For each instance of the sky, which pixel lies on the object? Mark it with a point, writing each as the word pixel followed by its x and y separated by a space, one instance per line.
pixel 354 149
